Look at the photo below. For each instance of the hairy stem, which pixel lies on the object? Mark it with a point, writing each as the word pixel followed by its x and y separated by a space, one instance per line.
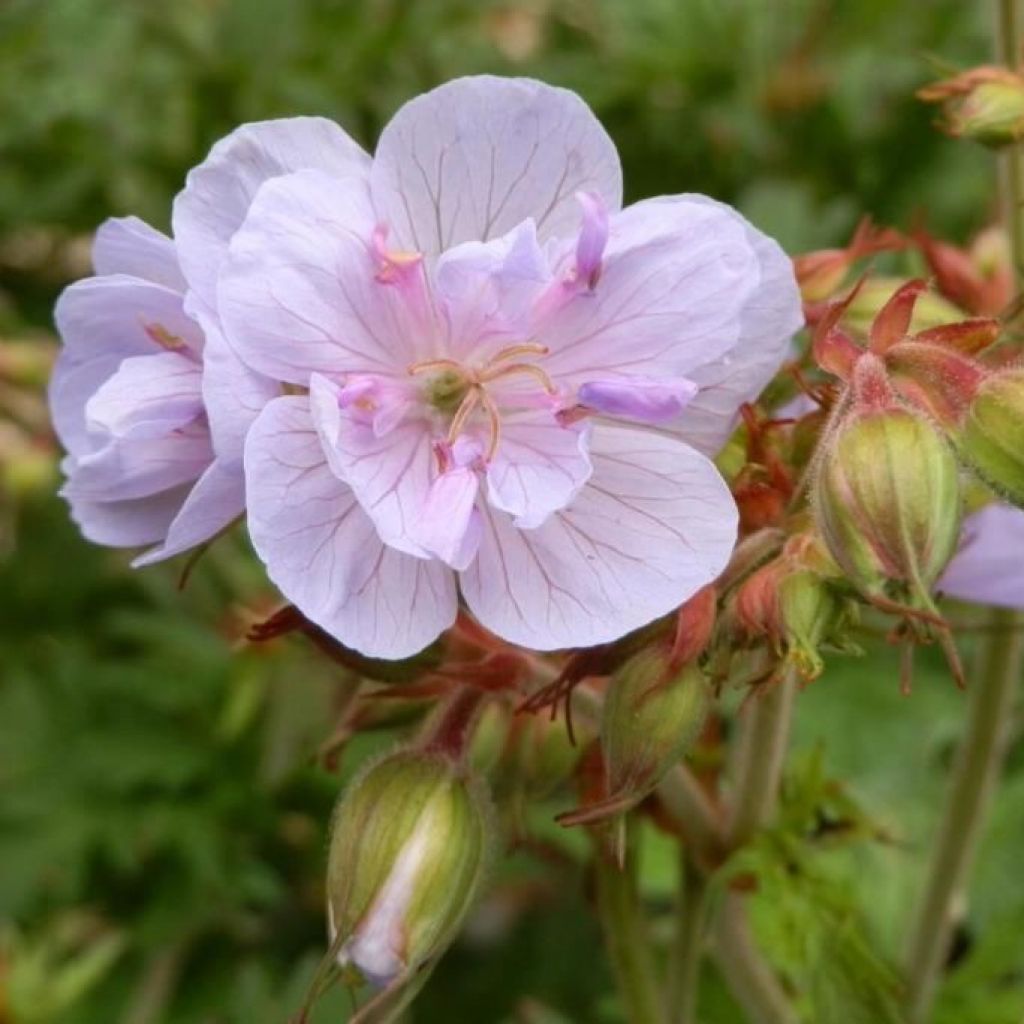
pixel 975 773
pixel 626 939
pixel 688 946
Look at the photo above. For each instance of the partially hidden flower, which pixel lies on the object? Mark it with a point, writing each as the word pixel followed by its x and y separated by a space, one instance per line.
pixel 147 398
pixel 987 566
pixel 496 376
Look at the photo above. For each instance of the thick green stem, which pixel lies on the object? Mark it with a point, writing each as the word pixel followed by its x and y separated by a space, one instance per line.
pixel 688 947
pixel 975 773
pixel 626 939
pixel 763 740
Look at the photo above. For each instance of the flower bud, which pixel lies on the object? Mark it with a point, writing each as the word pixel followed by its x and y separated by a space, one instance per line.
pixel 887 501
pixel 651 716
pixel 991 438
pixel 409 846
pixel 930 309
pixel 985 104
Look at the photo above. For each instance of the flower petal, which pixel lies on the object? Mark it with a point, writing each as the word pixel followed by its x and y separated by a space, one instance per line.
pixel 987 568
pixel 539 466
pixel 127 524
pixel 128 245
pixel 477 156
pixel 216 501
pixel 643 399
pixel 771 315
pixel 654 524
pixel 323 552
pixel 218 192
pixel 675 278
pixel 298 293
pixel 390 474
pixel 102 321
pixel 147 397
pixel 449 526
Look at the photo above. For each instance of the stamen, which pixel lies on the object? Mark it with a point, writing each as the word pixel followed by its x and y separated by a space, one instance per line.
pixel 498 372
pixel 464 411
pixel 429 365
pixel 495 420
pixel 527 348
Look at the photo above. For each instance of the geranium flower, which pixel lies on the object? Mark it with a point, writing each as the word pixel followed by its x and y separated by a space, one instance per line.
pixel 498 373
pixel 149 401
pixel 986 568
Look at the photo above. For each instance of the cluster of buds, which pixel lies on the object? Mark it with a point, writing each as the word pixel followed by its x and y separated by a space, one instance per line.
pixel 985 104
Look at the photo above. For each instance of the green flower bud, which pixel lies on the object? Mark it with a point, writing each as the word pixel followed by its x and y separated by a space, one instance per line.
pixel 985 104
pixel 409 847
pixel 887 502
pixel 651 717
pixel 991 438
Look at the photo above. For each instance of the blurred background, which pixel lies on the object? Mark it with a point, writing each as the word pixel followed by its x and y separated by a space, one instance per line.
pixel 163 789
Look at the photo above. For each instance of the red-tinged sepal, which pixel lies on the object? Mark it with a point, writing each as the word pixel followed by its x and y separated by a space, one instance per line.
pixel 971 337
pixel 892 324
pixel 937 379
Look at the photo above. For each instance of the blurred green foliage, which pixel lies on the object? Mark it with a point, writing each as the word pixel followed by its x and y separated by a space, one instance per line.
pixel 162 813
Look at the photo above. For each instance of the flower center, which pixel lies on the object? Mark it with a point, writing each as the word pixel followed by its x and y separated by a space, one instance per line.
pixel 459 390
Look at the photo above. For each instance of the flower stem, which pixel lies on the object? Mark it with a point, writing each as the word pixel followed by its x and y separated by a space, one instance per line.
pixel 974 776
pixel 626 939
pixel 688 947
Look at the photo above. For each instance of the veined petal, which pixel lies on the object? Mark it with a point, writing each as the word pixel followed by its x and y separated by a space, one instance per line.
pixel 449 525
pixel 539 466
pixel 323 552
pixel 390 475
pixel 675 278
pixel 473 158
pixel 987 567
pixel 128 245
pixel 216 501
pixel 771 315
pixel 653 525
pixel 147 397
pixel 299 292
pixel 219 191
pixel 102 321
pixel 127 524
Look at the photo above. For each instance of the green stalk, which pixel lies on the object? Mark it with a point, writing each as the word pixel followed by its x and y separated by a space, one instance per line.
pixel 688 946
pixel 626 939
pixel 975 772
pixel 979 757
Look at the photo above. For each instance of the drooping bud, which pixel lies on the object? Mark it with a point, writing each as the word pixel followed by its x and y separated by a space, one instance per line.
pixel 409 847
pixel 991 438
pixel 887 495
pixel 985 104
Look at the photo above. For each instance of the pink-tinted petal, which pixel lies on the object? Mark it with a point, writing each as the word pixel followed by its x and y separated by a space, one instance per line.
pixel 323 552
pixel 674 282
pixel 147 397
pixel 127 524
pixel 488 289
pixel 102 321
pixel 127 245
pixel 988 567
pixel 653 525
pixel 219 191
pixel 593 239
pixel 539 466
pixel 299 292
pixel 771 315
pixel 644 399
pixel 449 525
pixel 477 156
pixel 390 475
pixel 136 468
pixel 216 501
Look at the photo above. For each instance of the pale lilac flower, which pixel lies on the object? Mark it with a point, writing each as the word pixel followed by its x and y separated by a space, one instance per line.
pixel 511 380
pixel 988 568
pixel 149 401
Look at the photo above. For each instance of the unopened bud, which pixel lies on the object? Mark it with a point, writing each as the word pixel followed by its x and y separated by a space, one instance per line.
pixel 651 717
pixel 985 104
pixel 887 501
pixel 991 439
pixel 409 847
pixel 930 309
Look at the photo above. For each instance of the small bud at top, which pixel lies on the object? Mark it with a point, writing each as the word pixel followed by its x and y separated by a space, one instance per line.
pixel 985 104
